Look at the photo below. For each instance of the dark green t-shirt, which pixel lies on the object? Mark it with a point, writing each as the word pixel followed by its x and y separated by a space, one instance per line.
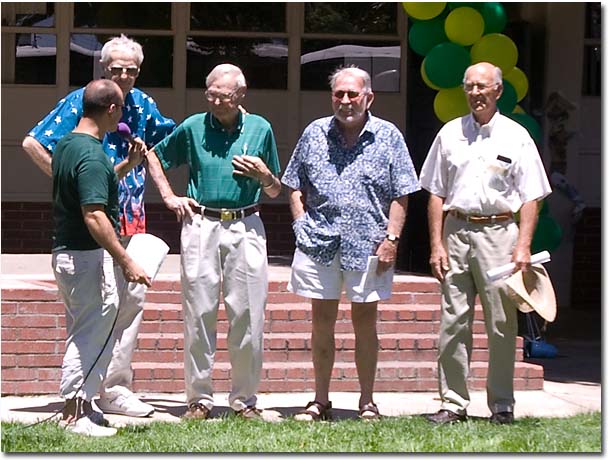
pixel 82 175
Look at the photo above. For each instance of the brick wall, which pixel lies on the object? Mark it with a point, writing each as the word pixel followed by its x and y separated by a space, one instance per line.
pixel 587 267
pixel 27 227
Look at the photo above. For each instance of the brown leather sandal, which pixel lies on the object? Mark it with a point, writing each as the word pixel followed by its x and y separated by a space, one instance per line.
pixel 369 412
pixel 324 412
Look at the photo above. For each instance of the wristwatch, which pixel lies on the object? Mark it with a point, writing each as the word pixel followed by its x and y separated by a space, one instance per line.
pixel 391 237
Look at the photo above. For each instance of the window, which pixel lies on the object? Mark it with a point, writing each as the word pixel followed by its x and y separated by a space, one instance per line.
pixel 592 60
pixel 28 43
pixel 156 70
pixel 239 17
pixel 263 61
pixel 259 46
pixel 378 52
pixel 122 15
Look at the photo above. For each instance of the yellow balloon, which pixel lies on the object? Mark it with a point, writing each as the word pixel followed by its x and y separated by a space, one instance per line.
pixel 497 49
pixel 424 76
pixel 518 109
pixel 423 10
pixel 464 26
pixel 518 79
pixel 450 103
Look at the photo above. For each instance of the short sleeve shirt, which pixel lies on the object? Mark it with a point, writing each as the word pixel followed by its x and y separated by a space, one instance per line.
pixel 82 175
pixel 145 121
pixel 208 149
pixel 348 191
pixel 484 170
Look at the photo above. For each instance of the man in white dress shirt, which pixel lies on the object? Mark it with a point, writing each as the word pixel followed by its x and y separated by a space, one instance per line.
pixel 481 169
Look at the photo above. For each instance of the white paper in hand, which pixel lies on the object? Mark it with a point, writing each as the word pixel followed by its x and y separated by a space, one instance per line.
pixel 148 251
pixel 371 281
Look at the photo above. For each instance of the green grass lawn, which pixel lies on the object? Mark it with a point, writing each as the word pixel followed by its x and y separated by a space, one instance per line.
pixel 581 433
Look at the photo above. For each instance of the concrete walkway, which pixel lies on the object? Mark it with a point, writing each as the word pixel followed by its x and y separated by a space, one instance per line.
pixel 556 400
pixel 572 380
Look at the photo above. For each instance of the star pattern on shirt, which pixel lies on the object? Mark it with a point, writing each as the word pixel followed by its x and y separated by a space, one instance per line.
pixel 48 132
pixel 112 146
pixel 57 119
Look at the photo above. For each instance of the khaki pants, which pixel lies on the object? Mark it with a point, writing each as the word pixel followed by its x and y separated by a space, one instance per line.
pixel 231 255
pixel 473 249
pixel 90 313
pixel 131 309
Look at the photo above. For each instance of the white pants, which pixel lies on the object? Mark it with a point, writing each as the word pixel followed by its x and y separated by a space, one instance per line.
pixel 131 309
pixel 231 254
pixel 90 312
pixel 472 250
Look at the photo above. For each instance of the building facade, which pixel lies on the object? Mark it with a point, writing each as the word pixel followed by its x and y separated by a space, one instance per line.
pixel 287 51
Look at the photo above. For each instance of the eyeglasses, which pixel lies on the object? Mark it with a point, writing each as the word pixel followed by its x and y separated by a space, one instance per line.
pixel 211 97
pixel 469 87
pixel 130 71
pixel 352 95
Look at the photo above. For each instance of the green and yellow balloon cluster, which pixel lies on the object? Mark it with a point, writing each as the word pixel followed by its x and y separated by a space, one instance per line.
pixel 451 36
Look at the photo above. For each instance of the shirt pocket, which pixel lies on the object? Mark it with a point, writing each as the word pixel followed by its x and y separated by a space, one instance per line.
pixel 498 172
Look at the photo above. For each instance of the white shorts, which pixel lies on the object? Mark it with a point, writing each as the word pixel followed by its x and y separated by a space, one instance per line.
pixel 315 281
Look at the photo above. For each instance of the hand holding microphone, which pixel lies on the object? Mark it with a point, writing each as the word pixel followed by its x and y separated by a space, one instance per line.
pixel 137 147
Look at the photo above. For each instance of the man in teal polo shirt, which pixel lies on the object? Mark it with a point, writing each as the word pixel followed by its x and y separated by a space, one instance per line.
pixel 231 157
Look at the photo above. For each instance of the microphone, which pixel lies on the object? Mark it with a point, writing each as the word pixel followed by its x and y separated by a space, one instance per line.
pixel 124 131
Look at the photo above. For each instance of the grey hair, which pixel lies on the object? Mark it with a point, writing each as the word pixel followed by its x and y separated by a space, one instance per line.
pixel 354 72
pixel 122 43
pixel 226 69
pixel 497 73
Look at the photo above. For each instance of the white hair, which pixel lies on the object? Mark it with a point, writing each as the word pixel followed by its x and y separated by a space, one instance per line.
pixel 226 69
pixel 353 71
pixel 125 44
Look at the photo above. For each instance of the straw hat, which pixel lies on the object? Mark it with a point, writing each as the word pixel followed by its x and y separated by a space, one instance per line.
pixel 532 291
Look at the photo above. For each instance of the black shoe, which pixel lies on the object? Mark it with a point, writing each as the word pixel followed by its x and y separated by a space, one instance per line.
pixel 445 416
pixel 502 418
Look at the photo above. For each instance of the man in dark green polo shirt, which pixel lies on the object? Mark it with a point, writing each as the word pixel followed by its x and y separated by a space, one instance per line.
pixel 231 156
pixel 86 211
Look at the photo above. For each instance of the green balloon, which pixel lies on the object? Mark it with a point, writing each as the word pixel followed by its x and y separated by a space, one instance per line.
pixel 543 208
pixel 547 236
pixel 529 123
pixel 446 63
pixel 494 16
pixel 425 35
pixel 508 100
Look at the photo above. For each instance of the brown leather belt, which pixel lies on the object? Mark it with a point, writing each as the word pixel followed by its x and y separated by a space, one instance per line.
pixel 229 214
pixel 482 219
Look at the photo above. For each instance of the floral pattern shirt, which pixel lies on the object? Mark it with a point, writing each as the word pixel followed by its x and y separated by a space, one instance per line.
pixel 348 191
pixel 140 113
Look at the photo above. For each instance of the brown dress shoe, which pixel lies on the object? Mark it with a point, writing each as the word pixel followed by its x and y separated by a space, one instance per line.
pixel 502 418
pixel 445 416
pixel 196 411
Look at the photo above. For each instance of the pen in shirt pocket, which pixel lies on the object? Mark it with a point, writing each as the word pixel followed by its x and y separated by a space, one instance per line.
pixel 245 149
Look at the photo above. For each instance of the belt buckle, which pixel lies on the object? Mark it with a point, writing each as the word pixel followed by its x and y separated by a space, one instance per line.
pixel 226 215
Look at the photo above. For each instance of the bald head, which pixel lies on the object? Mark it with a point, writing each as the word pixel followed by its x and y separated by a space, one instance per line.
pixel 99 95
pixel 486 69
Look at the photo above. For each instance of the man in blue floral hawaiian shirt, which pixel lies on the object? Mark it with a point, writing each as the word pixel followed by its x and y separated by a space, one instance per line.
pixel 350 175
pixel 121 60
